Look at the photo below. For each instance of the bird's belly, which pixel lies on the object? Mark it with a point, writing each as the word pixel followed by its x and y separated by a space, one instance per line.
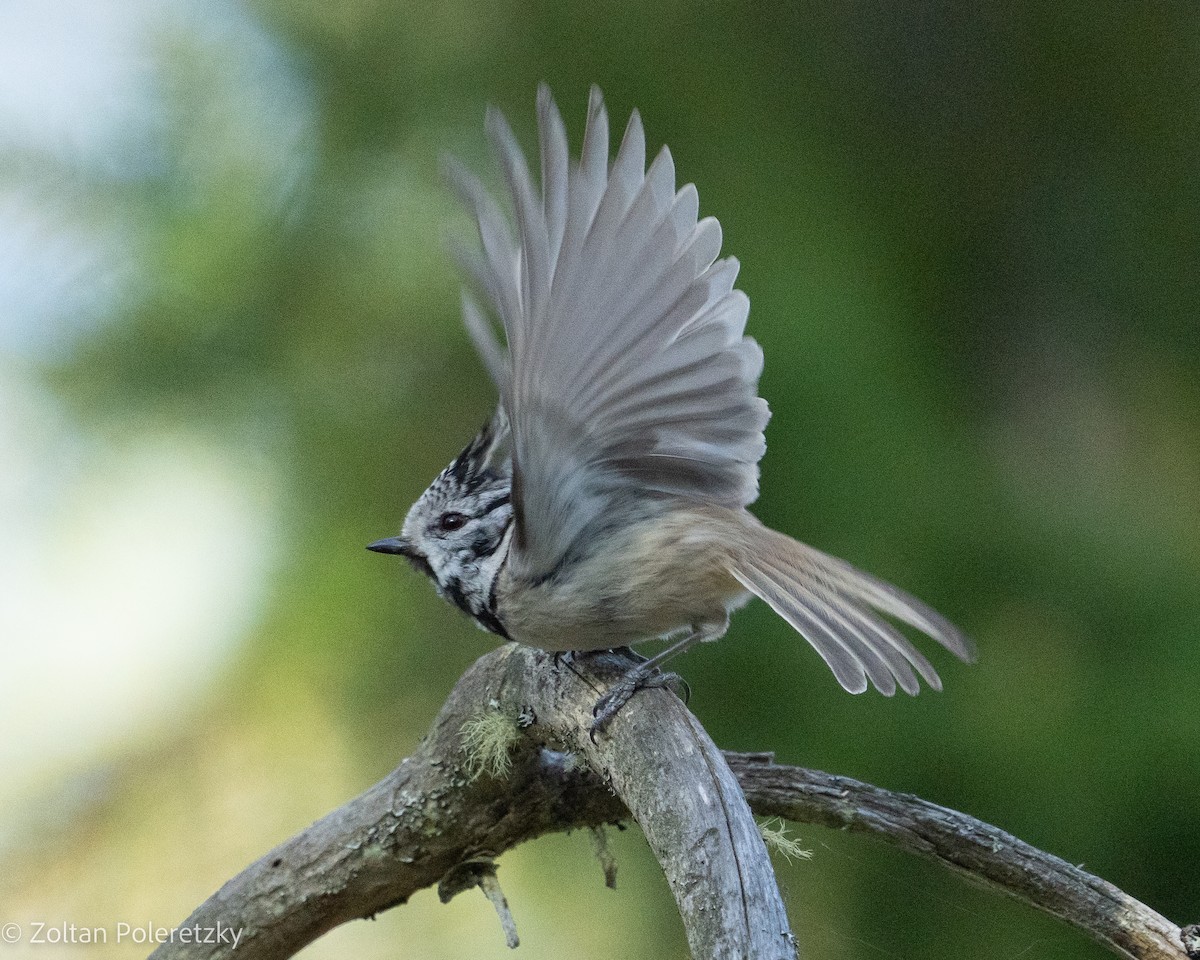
pixel 653 580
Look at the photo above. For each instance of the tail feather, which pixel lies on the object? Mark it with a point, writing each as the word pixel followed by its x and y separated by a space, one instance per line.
pixel 895 602
pixel 836 608
pixel 840 657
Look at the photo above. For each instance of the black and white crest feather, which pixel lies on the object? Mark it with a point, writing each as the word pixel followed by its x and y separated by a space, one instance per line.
pixel 464 560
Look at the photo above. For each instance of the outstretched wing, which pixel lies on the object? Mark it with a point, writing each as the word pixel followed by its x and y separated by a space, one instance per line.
pixel 627 370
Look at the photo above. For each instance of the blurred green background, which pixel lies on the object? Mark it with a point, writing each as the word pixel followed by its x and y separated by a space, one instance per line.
pixel 230 356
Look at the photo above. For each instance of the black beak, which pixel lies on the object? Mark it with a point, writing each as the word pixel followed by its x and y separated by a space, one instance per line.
pixel 401 547
pixel 396 545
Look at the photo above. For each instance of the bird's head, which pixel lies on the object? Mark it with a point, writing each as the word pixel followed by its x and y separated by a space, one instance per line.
pixel 454 532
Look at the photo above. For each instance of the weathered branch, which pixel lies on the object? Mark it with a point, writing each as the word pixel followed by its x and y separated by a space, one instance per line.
pixel 966 845
pixel 430 823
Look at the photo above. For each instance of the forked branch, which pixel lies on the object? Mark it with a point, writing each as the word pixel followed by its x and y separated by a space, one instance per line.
pixel 432 822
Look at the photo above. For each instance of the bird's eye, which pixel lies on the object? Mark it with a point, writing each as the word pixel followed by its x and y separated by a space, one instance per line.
pixel 451 520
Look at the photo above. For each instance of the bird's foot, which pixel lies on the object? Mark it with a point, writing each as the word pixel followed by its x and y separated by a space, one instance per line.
pixel 640 677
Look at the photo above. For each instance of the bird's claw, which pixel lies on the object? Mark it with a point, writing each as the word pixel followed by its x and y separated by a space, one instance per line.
pixel 619 694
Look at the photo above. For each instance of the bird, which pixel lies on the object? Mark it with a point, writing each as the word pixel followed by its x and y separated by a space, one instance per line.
pixel 604 503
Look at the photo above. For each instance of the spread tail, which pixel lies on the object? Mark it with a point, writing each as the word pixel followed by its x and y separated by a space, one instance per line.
pixel 836 608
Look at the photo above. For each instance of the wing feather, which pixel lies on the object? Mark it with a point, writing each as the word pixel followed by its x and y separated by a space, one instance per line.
pixel 555 162
pixel 627 365
pixel 487 344
pixel 534 251
pixel 499 261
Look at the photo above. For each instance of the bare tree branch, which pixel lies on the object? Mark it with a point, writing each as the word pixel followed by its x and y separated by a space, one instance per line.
pixel 968 846
pixel 430 823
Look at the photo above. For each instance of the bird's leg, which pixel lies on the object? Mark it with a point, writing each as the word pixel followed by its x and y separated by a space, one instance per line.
pixel 643 674
pixel 672 681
